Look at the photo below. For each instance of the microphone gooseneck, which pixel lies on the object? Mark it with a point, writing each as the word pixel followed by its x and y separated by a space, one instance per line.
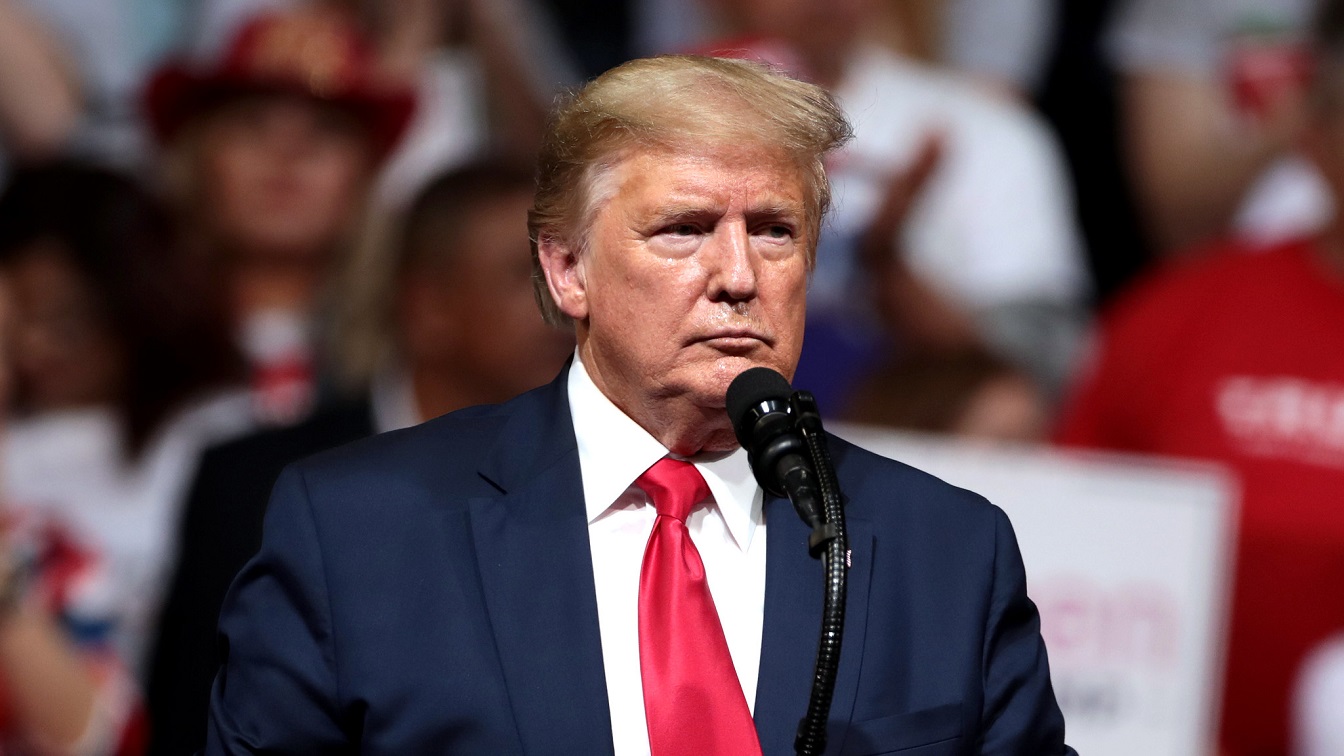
pixel 781 430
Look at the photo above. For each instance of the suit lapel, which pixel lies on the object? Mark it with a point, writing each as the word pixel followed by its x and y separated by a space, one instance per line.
pixel 536 572
pixel 793 599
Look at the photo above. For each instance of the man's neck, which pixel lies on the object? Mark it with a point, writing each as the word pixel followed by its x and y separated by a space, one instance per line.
pixel 682 426
pixel 690 430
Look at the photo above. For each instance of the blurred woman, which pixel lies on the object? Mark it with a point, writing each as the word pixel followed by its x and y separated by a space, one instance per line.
pixel 121 368
pixel 61 690
pixel 271 152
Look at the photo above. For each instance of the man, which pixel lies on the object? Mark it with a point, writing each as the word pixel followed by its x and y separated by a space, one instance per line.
pixel 1233 359
pixel 500 580
pixel 460 250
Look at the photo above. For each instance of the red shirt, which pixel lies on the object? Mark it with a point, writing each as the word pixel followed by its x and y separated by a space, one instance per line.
pixel 1240 358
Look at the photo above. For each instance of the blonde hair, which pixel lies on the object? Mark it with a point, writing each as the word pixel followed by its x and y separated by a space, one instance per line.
pixel 673 102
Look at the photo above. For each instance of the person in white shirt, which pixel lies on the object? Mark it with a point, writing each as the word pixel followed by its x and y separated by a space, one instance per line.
pixel 123 373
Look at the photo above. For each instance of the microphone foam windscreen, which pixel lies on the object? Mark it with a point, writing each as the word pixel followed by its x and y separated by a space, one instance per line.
pixel 750 388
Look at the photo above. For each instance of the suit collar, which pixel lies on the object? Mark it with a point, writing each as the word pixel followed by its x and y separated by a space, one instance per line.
pixel 538 432
pixel 537 574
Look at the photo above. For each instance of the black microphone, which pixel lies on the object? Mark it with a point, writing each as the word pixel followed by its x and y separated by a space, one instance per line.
pixel 781 431
pixel 758 405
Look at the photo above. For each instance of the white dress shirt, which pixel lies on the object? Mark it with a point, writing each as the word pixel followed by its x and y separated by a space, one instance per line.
pixel 728 530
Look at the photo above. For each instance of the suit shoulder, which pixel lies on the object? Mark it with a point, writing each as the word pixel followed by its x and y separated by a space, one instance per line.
pixel 453 443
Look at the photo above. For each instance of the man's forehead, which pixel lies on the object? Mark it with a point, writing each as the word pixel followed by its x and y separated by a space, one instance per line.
pixel 753 176
pixel 709 152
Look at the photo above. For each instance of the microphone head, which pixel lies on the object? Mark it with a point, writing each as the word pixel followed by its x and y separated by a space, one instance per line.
pixel 748 391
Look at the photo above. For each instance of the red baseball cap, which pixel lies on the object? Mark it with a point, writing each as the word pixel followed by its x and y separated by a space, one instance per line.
pixel 319 55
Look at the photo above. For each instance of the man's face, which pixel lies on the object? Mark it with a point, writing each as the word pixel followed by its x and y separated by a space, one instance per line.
pixel 696 270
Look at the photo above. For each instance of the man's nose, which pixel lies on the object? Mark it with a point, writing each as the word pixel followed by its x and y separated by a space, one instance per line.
pixel 732 264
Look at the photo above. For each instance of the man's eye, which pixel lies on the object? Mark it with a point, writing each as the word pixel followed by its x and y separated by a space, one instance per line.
pixel 778 231
pixel 682 229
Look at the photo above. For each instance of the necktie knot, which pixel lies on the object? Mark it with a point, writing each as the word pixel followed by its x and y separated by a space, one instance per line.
pixel 674 486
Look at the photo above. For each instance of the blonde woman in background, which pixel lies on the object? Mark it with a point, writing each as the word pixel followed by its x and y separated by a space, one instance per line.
pixel 271 153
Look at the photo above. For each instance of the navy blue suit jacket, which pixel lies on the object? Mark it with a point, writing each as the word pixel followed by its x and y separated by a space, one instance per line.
pixel 430 591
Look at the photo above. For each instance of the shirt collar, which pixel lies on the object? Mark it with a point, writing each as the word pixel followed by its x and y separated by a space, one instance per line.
pixel 614 451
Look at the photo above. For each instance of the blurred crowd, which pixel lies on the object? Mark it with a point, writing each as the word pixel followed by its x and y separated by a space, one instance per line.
pixel 237 232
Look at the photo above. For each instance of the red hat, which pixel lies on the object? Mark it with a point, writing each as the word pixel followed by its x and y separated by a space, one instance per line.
pixel 318 55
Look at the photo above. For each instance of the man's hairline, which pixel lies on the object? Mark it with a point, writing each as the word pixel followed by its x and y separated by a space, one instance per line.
pixel 598 186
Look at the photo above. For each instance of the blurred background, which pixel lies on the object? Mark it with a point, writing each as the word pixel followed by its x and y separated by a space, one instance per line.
pixel 1083 257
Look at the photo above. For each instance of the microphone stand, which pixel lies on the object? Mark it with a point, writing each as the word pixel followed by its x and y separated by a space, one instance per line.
pixel 830 543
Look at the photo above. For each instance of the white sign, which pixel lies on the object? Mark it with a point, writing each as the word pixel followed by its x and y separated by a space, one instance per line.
pixel 1129 561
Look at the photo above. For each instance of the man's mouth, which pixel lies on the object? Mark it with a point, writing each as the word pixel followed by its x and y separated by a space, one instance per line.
pixel 734 339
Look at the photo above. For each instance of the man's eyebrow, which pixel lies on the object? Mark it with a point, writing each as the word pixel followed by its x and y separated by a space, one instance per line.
pixel 676 213
pixel 776 210
pixel 682 212
pixel 695 210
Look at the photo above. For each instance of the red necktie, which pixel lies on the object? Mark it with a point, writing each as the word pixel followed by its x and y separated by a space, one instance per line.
pixel 692 697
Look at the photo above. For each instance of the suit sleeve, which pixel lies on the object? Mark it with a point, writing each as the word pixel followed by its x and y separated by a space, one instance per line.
pixel 1021 715
pixel 277 691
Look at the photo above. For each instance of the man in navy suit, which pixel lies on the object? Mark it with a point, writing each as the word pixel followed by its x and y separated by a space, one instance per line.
pixel 490 583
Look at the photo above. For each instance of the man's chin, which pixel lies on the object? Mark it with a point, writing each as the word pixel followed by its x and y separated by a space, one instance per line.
pixel 711 385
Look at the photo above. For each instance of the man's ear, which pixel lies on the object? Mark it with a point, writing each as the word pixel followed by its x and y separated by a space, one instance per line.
pixel 564 276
